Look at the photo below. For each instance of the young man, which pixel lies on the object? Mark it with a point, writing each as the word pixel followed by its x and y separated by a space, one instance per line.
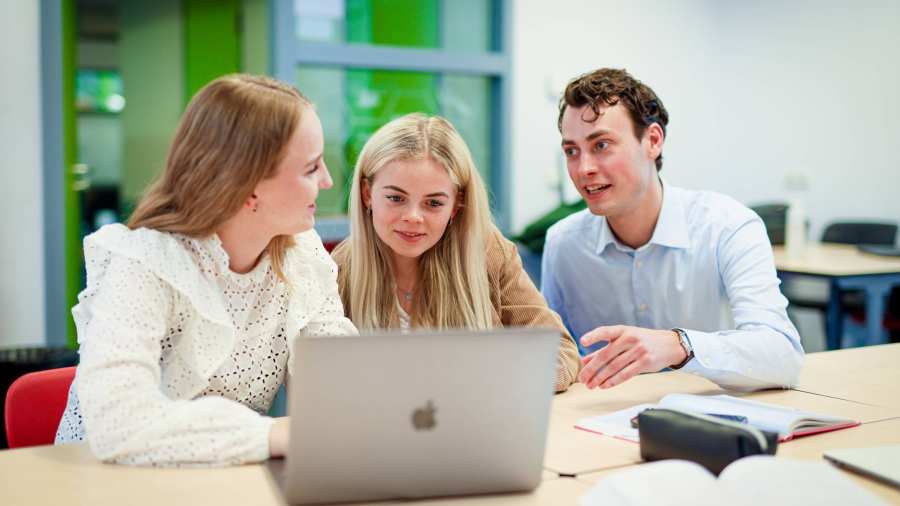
pixel 647 268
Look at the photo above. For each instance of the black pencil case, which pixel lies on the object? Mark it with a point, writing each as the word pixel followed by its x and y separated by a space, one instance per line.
pixel 711 442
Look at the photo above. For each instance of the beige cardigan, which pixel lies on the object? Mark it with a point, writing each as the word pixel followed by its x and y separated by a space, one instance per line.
pixel 515 300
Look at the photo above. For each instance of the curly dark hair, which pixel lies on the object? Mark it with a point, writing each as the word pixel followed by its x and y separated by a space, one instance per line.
pixel 610 87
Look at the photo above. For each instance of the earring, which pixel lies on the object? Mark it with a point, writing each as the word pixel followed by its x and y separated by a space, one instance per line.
pixel 369 210
pixel 451 221
pixel 255 207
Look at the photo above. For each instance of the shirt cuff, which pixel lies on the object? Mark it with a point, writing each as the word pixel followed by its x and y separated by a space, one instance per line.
pixel 261 435
pixel 708 352
pixel 735 367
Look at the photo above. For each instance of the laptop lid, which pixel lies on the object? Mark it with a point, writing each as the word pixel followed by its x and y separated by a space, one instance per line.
pixel 879 462
pixel 421 414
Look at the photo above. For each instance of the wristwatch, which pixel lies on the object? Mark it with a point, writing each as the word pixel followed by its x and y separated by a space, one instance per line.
pixel 685 343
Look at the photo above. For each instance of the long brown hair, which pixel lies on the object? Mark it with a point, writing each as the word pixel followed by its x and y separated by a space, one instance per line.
pixel 231 137
pixel 454 287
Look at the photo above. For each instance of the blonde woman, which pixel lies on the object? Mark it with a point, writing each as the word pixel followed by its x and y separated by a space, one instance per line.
pixel 423 251
pixel 186 325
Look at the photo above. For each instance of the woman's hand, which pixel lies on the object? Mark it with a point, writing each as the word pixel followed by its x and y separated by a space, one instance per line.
pixel 279 435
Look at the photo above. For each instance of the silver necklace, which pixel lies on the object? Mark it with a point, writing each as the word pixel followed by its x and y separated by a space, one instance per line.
pixel 407 295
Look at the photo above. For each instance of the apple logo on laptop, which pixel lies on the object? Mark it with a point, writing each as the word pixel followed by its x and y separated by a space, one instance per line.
pixel 423 418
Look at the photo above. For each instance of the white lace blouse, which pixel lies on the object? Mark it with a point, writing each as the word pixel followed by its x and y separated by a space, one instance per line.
pixel 180 356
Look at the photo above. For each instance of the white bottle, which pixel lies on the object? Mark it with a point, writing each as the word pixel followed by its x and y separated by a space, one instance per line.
pixel 795 235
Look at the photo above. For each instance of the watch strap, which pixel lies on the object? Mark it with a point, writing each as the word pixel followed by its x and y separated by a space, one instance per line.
pixel 685 343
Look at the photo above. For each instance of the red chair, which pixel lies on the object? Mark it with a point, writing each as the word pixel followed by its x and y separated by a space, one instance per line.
pixel 34 406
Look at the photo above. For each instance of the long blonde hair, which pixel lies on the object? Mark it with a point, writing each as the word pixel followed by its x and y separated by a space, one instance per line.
pixel 453 283
pixel 231 137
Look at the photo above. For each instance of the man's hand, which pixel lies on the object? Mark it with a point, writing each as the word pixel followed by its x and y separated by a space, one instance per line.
pixel 631 351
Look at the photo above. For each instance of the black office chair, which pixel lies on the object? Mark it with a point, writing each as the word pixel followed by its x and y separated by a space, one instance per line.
pixel 774 217
pixel 853 302
pixel 882 234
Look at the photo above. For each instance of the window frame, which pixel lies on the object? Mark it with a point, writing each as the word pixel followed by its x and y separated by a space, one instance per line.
pixel 288 53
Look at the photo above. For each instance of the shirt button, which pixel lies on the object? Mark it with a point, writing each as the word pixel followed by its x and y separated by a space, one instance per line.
pixel 637 263
pixel 643 307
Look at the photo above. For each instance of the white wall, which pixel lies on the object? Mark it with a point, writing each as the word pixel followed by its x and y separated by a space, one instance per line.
pixel 21 217
pixel 753 89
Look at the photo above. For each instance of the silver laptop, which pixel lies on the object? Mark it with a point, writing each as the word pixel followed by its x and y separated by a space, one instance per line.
pixel 418 415
pixel 879 462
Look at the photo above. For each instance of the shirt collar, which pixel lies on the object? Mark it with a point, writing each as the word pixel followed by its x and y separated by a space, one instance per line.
pixel 215 259
pixel 671 227
pixel 605 235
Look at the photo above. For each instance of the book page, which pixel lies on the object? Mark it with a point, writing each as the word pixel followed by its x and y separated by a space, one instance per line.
pixel 616 424
pixel 751 481
pixel 667 482
pixel 769 480
pixel 768 417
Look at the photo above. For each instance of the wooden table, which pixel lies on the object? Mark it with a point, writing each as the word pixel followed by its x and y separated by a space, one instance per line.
pixel 70 475
pixel 572 451
pixel 870 374
pixel 555 491
pixel 846 268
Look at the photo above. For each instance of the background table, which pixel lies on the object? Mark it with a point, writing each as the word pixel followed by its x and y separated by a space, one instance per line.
pixel 846 268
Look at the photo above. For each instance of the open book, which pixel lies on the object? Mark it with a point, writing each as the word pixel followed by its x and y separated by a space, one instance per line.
pixel 752 480
pixel 788 423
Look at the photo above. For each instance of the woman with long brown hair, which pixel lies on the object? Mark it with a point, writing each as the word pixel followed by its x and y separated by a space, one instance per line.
pixel 423 251
pixel 189 315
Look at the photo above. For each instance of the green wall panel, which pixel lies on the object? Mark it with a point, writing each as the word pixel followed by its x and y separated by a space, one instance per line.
pixel 212 46
pixel 74 257
pixel 395 93
pixel 255 37
pixel 152 67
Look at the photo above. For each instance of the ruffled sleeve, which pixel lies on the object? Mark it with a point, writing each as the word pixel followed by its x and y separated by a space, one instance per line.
pixel 315 307
pixel 122 318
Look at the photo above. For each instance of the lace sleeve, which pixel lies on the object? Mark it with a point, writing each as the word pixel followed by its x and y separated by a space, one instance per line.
pixel 327 319
pixel 128 419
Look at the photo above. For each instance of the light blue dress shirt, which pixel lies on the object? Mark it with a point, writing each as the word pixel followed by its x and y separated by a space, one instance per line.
pixel 708 253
